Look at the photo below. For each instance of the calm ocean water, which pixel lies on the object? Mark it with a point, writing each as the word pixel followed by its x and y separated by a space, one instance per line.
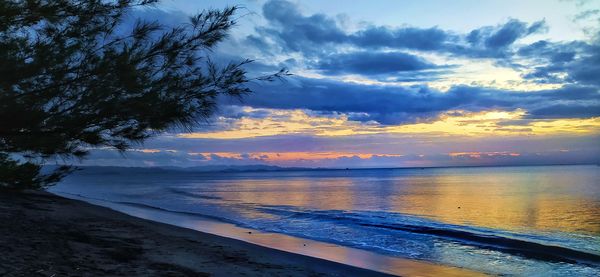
pixel 541 221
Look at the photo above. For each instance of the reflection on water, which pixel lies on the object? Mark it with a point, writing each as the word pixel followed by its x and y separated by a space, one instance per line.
pixel 547 198
pixel 484 219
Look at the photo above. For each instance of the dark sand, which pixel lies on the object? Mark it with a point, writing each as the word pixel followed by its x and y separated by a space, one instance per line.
pixel 47 235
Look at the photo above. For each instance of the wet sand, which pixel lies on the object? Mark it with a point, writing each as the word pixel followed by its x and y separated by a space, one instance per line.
pixel 47 235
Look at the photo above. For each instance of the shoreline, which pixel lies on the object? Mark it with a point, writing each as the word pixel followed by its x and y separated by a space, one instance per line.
pixel 50 234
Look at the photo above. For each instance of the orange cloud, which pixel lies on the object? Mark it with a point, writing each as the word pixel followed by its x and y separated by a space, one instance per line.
pixel 456 122
pixel 292 156
pixel 478 155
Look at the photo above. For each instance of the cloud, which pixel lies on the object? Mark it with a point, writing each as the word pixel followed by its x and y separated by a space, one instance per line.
pixel 574 62
pixel 511 31
pixel 396 104
pixel 107 157
pixel 395 53
pixel 316 34
pixel 403 38
pixel 563 111
pixel 380 53
pixel 318 39
pixel 369 115
pixel 587 14
pixel 371 63
pixel 456 122
pixel 297 32
pixel 494 41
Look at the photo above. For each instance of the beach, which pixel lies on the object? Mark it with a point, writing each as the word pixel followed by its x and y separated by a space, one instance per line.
pixel 496 220
pixel 134 222
pixel 48 235
pixel 299 138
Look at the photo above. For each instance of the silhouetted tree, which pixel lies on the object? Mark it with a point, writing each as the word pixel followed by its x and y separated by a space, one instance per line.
pixel 69 81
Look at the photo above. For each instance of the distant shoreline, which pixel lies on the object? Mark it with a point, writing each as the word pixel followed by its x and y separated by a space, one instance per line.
pixel 50 235
pixel 233 169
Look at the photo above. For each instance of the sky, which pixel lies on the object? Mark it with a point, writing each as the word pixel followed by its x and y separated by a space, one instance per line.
pixel 396 84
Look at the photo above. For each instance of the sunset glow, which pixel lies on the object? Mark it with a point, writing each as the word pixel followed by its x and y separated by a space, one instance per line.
pixel 373 90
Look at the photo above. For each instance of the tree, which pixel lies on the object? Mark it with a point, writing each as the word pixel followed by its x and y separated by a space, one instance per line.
pixel 69 81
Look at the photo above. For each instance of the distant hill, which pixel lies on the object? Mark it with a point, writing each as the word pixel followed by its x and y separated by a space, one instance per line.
pixel 166 169
pixel 228 168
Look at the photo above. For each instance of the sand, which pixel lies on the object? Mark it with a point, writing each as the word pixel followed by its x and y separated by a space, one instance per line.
pixel 47 235
pixel 43 234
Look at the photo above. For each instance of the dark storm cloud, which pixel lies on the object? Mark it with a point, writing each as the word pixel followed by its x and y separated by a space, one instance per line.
pixel 407 37
pixel 371 63
pixel 394 104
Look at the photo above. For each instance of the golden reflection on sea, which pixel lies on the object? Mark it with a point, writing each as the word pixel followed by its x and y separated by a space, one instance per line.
pixel 503 201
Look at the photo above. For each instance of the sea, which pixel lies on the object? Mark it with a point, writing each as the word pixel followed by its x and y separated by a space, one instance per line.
pixel 516 221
